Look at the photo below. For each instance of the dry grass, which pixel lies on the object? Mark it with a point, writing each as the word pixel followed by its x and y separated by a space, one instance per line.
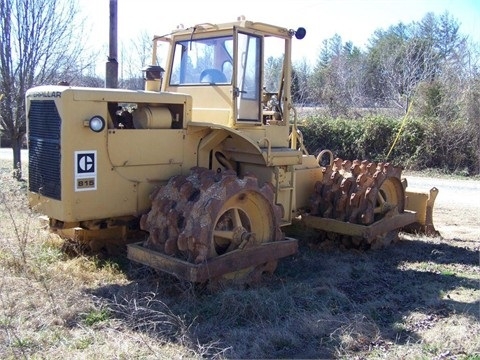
pixel 418 299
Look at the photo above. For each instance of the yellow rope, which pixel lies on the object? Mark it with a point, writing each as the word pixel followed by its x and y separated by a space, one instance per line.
pixel 400 130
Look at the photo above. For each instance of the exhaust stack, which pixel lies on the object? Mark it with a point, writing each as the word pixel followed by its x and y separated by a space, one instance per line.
pixel 111 79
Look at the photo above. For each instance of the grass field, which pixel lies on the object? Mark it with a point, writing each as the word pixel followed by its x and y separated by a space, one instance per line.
pixel 418 299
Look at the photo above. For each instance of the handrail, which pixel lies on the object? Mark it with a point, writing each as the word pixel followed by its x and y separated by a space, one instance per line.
pixel 296 134
pixel 269 147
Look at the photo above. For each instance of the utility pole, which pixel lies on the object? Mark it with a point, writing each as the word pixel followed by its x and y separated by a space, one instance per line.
pixel 111 78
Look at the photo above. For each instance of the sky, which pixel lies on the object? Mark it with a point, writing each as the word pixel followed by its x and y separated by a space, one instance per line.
pixel 353 20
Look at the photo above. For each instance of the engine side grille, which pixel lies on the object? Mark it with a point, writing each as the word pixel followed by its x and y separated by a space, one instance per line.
pixel 44 125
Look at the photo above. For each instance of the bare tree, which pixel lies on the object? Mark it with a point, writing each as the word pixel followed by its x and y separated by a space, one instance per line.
pixel 339 76
pixel 428 56
pixel 413 63
pixel 301 91
pixel 37 46
pixel 135 56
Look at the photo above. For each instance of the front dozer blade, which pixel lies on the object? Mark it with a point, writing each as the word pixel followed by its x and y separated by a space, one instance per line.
pixel 421 202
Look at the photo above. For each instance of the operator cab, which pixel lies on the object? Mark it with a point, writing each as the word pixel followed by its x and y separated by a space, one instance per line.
pixel 237 73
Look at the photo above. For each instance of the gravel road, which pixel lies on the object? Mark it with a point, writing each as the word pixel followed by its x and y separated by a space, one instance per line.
pixel 457 191
pixel 456 212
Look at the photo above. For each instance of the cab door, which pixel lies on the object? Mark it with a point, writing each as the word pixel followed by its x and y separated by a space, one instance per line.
pixel 247 82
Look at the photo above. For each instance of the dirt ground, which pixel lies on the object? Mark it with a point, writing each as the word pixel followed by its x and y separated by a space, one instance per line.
pixel 456 212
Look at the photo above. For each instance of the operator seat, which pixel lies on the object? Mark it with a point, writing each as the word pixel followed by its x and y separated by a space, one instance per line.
pixel 213 76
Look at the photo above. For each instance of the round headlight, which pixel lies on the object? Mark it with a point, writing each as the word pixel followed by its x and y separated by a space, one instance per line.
pixel 96 123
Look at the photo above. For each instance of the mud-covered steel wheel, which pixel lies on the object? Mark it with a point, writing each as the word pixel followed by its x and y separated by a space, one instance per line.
pixel 206 214
pixel 359 192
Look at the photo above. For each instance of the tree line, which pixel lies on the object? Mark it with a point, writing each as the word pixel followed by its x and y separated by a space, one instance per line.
pixel 428 67
pixel 426 70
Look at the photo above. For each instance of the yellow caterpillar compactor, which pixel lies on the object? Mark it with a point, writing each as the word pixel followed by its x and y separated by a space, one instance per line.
pixel 207 161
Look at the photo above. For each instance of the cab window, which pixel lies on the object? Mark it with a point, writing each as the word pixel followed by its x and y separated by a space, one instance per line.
pixel 203 61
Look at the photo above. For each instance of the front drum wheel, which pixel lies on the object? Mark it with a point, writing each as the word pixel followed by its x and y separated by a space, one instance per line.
pixel 205 215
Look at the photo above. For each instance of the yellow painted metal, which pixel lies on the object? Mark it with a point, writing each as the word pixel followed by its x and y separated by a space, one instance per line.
pixel 129 162
pixel 422 203
pixel 241 222
pixel 244 221
pixel 391 194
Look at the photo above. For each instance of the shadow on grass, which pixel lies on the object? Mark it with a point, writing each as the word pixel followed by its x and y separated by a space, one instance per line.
pixel 318 304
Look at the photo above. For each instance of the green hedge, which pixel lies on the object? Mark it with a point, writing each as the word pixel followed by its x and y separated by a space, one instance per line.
pixel 451 147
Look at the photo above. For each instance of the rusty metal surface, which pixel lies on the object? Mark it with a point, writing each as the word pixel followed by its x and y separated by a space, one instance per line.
pixel 205 214
pixel 365 231
pixel 350 191
pixel 215 267
pixel 360 199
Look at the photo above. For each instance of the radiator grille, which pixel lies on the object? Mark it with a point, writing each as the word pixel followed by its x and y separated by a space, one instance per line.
pixel 44 125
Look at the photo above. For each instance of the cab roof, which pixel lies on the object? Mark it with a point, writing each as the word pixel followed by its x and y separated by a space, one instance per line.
pixel 241 23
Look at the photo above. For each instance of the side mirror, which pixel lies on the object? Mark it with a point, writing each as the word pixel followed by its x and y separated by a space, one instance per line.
pixel 300 33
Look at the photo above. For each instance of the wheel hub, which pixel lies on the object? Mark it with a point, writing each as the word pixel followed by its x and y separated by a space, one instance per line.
pixel 242 237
